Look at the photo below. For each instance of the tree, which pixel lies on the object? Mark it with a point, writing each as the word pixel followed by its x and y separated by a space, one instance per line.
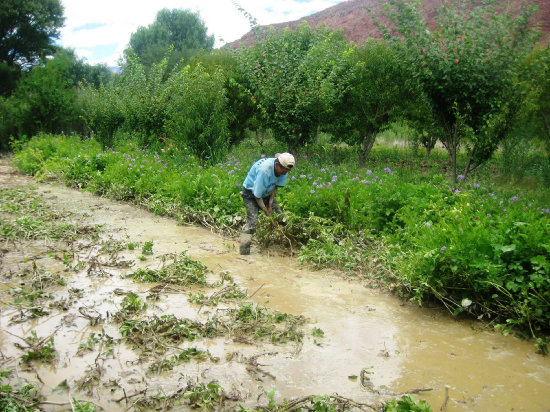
pixel 534 83
pixel 465 66
pixel 294 79
pixel 381 91
pixel 27 31
pixel 197 116
pixel 44 100
pixel 178 34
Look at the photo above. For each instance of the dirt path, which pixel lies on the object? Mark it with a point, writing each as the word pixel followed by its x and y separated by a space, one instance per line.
pixel 403 347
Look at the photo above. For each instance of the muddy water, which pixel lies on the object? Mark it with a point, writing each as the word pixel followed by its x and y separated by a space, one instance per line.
pixel 404 347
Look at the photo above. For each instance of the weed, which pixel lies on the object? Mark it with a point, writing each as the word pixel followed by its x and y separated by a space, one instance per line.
pixel 103 339
pixel 162 365
pixel 225 294
pixel 131 305
pixel 258 322
pixel 318 333
pixel 79 406
pixel 159 333
pixel 205 397
pixel 407 404
pixel 176 269
pixel 25 216
pixel 147 249
pixel 36 348
pixel 23 398
pixel 90 379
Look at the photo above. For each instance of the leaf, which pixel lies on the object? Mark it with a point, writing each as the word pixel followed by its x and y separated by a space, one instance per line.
pixel 465 303
pixel 507 248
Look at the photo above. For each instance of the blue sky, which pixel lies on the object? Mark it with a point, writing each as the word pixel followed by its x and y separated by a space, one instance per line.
pixel 99 30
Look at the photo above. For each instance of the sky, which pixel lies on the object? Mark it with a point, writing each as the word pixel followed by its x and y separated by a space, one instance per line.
pixel 100 30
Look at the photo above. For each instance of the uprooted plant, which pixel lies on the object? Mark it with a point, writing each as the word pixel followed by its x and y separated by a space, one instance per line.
pixel 176 269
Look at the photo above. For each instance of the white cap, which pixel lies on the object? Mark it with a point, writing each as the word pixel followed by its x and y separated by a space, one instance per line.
pixel 286 160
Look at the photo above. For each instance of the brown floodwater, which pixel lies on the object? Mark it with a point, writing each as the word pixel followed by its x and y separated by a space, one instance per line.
pixel 404 347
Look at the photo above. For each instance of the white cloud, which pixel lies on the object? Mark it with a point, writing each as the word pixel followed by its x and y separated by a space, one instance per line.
pixel 120 18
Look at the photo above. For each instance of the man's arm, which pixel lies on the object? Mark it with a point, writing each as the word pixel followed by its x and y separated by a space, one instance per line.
pixel 261 203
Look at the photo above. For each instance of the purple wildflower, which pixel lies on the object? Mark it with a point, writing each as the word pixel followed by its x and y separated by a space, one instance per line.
pixel 443 248
pixel 228 201
pixel 388 170
pixel 262 156
pixel 461 177
pixel 334 178
pixel 477 185
pixel 369 172
pixel 513 198
pixel 312 191
pixel 428 224
pixel 293 178
pixel 303 176
pixel 367 182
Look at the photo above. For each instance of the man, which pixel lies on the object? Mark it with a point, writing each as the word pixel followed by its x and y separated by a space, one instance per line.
pixel 259 190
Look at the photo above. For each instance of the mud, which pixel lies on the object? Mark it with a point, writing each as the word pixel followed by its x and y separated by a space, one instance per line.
pixel 403 347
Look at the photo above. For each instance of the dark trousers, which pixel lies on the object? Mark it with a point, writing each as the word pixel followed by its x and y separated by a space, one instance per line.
pixel 252 210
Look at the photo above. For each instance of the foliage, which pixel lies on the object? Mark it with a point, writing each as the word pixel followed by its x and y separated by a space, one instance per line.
pixel 474 243
pixel 179 33
pixel 28 29
pixel 469 89
pixel 182 270
pixel 405 404
pixel 204 396
pixel 294 77
pixel 197 119
pixel 81 406
pixel 17 399
pixel 534 83
pixel 381 91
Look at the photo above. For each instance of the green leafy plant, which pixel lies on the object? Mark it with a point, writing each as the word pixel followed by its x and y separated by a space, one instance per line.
pixel 405 404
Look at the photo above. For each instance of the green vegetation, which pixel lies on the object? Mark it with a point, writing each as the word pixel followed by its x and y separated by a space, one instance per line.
pixel 23 215
pixel 22 398
pixel 176 269
pixel 472 243
pixel 178 128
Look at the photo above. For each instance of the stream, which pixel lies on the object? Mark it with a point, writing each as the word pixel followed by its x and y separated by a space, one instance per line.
pixel 399 346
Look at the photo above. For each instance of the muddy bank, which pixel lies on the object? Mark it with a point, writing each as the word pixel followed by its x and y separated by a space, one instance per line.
pixel 398 346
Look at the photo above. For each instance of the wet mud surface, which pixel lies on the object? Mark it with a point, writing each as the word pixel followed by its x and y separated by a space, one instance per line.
pixel 359 343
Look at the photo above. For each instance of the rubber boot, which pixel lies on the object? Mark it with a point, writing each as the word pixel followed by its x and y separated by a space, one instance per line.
pixel 246 240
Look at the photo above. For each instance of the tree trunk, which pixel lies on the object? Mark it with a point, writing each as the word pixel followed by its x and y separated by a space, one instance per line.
pixel 366 147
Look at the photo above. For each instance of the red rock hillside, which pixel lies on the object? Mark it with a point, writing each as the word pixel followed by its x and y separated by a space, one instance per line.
pixel 352 17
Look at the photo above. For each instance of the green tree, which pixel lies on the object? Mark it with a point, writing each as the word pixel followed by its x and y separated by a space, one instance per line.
pixel 381 91
pixel 465 66
pixel 294 78
pixel 534 83
pixel 27 32
pixel 197 117
pixel 44 100
pixel 176 34
pixel 241 110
